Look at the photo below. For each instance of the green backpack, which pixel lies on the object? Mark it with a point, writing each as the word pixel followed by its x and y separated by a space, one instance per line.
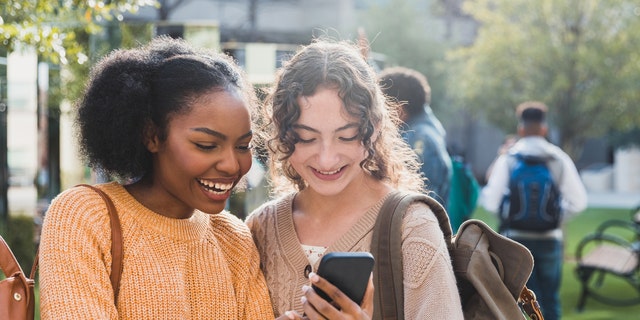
pixel 463 193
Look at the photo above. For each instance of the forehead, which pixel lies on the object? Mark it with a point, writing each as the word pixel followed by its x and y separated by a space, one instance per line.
pixel 216 108
pixel 324 106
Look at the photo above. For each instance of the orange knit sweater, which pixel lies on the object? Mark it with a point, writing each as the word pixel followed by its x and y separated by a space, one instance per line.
pixel 204 267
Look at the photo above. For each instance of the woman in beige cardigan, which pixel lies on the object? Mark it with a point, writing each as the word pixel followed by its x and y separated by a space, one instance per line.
pixel 336 154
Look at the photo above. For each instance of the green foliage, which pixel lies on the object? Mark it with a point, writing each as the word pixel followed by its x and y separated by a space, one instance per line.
pixel 51 26
pixel 397 30
pixel 625 139
pixel 112 36
pixel 580 57
pixel 69 34
pixel 20 238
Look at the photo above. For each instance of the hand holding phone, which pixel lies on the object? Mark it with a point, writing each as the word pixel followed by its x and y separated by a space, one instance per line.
pixel 348 271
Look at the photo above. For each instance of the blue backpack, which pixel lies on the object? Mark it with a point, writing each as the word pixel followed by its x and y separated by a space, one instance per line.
pixel 533 202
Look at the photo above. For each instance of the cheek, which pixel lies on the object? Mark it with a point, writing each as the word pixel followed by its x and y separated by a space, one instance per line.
pixel 299 155
pixel 245 161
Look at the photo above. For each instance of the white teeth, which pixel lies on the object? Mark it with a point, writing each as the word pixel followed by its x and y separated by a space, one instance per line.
pixel 329 172
pixel 219 187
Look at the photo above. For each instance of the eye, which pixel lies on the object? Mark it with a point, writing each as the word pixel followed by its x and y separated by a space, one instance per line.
pixel 300 140
pixel 205 147
pixel 300 137
pixel 245 148
pixel 354 138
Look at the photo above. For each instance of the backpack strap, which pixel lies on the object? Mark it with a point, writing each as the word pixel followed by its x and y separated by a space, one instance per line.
pixel 116 244
pixel 386 247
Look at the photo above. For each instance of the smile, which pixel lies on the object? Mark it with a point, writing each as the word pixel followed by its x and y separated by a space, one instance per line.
pixel 329 172
pixel 215 187
pixel 329 175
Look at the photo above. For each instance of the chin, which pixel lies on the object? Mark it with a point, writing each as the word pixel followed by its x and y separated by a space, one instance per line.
pixel 330 191
pixel 214 210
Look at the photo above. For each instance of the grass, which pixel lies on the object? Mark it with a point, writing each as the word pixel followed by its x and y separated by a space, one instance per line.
pixel 575 230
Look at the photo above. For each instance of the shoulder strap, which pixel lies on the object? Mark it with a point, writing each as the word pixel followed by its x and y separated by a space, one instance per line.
pixel 386 247
pixel 8 263
pixel 19 285
pixel 116 244
pixel 529 304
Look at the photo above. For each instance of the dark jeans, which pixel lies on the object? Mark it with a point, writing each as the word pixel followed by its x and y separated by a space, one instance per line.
pixel 547 274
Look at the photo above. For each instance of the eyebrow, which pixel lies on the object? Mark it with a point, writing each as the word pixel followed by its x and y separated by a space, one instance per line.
pixel 345 127
pixel 220 135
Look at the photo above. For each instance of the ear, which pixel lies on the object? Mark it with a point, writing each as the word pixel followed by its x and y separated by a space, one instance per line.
pixel 544 130
pixel 150 138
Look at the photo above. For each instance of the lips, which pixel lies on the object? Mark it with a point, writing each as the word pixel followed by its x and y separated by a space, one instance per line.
pixel 328 175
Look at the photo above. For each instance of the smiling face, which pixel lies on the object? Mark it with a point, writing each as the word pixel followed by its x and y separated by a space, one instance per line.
pixel 329 151
pixel 206 152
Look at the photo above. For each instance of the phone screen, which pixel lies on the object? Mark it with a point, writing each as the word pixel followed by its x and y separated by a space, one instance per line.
pixel 349 271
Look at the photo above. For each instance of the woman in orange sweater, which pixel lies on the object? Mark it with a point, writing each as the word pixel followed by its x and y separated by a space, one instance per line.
pixel 172 124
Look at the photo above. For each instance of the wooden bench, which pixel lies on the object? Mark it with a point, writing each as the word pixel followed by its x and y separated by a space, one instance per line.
pixel 613 250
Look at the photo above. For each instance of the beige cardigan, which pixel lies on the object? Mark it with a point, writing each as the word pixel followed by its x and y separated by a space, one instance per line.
pixel 430 289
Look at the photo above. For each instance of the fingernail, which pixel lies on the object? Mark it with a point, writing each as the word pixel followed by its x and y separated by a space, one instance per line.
pixel 289 315
pixel 313 277
pixel 303 300
pixel 305 288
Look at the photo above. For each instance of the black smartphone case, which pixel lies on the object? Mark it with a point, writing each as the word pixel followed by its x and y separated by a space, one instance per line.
pixel 349 271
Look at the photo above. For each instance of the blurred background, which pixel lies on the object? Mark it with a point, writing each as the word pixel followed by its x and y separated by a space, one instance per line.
pixel 482 58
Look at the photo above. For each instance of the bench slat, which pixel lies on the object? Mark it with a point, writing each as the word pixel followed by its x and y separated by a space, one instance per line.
pixel 612 258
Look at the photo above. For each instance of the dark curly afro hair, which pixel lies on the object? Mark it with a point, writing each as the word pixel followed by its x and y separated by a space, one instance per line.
pixel 130 91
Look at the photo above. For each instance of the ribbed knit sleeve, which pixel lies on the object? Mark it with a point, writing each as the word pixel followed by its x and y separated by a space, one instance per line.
pixel 244 261
pixel 203 267
pixel 282 260
pixel 75 258
pixel 430 290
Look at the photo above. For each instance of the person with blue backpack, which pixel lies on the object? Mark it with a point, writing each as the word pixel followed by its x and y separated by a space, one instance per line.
pixel 533 188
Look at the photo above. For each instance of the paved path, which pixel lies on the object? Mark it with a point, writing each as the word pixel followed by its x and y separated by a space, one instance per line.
pixel 613 200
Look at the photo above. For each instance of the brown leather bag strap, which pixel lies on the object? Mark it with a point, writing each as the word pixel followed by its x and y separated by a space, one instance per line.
pixel 116 244
pixel 116 241
pixel 8 262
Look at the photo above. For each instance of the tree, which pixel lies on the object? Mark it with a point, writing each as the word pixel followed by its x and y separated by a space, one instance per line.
pixel 416 35
pixel 51 26
pixel 59 31
pixel 580 57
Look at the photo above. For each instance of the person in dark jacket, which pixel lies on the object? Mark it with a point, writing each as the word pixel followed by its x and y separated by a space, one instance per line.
pixel 421 129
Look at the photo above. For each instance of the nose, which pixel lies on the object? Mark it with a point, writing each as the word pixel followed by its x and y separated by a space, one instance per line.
pixel 229 162
pixel 327 155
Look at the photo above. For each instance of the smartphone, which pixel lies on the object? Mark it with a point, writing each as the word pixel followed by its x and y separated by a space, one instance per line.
pixel 349 271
